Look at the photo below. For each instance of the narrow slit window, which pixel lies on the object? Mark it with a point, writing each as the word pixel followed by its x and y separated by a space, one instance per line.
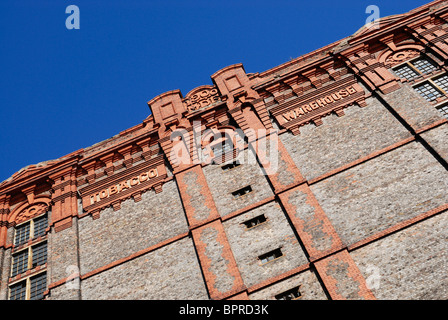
pixel 270 256
pixel 230 166
pixel 255 221
pixel 241 192
pixel 291 294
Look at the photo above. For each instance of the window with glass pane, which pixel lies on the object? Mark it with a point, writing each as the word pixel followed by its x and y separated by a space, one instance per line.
pixel 221 148
pixel 39 254
pixel 442 82
pixel 406 72
pixel 423 65
pixel 40 224
pixel 37 286
pixel 444 110
pixel 22 234
pixel 272 255
pixel 20 262
pixel 428 91
pixel 18 291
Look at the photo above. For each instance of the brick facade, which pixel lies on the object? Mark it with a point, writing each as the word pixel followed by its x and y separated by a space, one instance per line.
pixel 326 175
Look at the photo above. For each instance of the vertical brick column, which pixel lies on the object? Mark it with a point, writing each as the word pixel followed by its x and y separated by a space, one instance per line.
pixel 277 163
pixel 196 196
pixel 216 258
pixel 312 225
pixel 64 198
pixel 4 211
pixel 342 277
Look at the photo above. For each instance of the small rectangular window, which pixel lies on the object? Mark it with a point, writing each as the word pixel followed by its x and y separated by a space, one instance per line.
pixel 271 255
pixel 230 166
pixel 415 68
pixel 291 294
pixel 442 82
pixel 406 72
pixel 241 192
pixel 255 221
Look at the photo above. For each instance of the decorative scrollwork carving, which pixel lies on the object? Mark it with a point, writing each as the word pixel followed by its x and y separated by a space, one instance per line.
pixel 401 56
pixel 31 212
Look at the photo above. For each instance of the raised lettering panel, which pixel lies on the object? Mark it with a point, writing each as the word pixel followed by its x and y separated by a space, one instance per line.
pixel 312 106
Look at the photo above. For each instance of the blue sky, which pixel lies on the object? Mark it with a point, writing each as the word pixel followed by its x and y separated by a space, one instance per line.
pixel 62 90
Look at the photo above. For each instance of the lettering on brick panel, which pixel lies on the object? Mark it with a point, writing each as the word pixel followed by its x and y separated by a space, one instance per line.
pixel 315 105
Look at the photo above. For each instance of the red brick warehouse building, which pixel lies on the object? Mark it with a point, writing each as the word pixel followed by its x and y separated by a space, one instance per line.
pixel 351 203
